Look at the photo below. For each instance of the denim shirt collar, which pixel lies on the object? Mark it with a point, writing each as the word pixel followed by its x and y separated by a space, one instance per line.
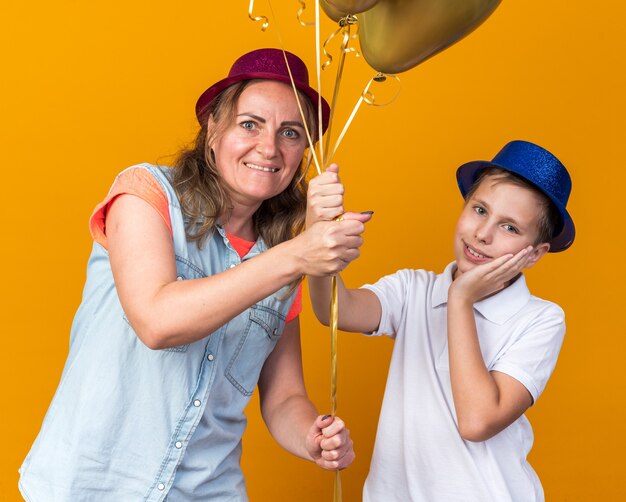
pixel 259 245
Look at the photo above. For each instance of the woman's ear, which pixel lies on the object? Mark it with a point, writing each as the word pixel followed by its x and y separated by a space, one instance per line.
pixel 210 136
pixel 210 129
pixel 537 253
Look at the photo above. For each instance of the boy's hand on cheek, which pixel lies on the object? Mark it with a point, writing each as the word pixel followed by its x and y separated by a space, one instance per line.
pixel 488 278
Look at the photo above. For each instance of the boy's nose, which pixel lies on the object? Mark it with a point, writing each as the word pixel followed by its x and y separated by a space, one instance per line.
pixel 483 234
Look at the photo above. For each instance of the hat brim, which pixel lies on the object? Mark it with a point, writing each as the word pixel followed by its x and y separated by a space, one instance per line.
pixel 202 105
pixel 466 176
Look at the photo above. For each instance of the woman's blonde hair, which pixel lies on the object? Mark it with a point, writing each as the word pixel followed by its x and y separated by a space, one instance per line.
pixel 200 190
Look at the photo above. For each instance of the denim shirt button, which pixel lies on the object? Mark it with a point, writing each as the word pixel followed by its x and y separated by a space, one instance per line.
pixel 275 331
pixel 210 357
pixel 178 445
pixel 233 265
pixel 179 278
pixel 197 403
pixel 161 486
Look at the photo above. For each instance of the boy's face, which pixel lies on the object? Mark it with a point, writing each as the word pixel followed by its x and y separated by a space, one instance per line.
pixel 498 219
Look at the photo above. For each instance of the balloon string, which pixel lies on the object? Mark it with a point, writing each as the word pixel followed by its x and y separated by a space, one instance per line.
pixel 349 121
pixel 340 66
pixel 257 18
pixel 333 343
pixel 319 80
pixel 337 492
pixel 368 98
pixel 334 314
pixel 345 28
pixel 295 91
pixel 300 12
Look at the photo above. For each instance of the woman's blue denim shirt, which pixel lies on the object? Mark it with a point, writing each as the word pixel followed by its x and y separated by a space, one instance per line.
pixel 128 423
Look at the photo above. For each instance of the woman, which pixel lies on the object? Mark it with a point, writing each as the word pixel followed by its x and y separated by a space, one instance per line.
pixel 189 303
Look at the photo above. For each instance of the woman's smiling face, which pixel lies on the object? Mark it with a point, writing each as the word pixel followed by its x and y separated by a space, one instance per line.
pixel 259 153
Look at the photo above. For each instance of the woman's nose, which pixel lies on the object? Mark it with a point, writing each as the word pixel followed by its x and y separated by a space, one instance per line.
pixel 267 145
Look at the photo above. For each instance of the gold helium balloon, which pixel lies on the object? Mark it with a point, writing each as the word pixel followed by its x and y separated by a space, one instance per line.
pixel 352 6
pixel 331 12
pixel 336 9
pixel 396 35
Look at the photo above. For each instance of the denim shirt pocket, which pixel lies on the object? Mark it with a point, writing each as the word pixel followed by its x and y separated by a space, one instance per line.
pixel 260 335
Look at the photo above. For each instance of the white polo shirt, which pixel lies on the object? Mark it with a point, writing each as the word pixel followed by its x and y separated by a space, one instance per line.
pixel 419 454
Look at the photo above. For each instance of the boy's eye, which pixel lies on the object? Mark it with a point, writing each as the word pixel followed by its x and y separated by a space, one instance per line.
pixel 511 228
pixel 479 210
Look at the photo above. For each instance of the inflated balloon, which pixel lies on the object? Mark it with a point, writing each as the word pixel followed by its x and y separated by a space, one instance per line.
pixel 330 11
pixel 396 35
pixel 336 9
pixel 352 6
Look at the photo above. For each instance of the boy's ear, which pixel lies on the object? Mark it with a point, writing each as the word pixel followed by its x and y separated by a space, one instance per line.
pixel 536 254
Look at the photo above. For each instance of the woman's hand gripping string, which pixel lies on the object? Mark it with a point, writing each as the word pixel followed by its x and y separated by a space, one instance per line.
pixel 329 444
pixel 329 244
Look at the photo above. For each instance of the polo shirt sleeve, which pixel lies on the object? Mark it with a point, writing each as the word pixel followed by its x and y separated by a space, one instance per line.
pixel 391 292
pixel 532 357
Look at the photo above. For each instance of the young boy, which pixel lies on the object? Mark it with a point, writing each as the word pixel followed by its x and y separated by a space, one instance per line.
pixel 473 348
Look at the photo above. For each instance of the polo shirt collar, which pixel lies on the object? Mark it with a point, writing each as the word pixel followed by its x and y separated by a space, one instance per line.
pixel 498 308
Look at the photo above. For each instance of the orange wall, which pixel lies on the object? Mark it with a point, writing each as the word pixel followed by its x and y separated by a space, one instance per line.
pixel 88 88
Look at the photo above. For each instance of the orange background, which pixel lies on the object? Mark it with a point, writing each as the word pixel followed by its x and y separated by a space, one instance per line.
pixel 88 88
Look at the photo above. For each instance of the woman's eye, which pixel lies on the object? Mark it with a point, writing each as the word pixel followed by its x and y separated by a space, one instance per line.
pixel 291 133
pixel 511 228
pixel 248 124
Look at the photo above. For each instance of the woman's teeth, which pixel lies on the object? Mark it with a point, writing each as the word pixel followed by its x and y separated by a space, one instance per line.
pixel 261 168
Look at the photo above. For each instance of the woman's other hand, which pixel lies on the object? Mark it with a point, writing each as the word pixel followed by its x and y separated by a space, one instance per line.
pixel 328 443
